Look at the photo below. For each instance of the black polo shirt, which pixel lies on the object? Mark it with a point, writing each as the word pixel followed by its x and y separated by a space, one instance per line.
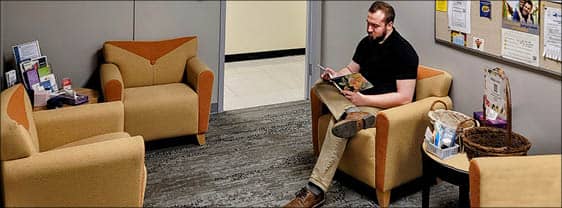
pixel 383 64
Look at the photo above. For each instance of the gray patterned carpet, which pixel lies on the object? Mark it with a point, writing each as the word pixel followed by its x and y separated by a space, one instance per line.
pixel 258 157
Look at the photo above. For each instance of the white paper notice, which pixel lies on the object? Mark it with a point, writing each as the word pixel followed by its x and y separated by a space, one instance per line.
pixel 520 46
pixel 459 15
pixel 552 33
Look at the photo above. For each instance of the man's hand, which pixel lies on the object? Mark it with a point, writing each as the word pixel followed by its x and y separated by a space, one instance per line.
pixel 356 98
pixel 328 74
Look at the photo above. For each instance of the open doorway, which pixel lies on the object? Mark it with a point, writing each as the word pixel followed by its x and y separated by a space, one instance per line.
pixel 264 50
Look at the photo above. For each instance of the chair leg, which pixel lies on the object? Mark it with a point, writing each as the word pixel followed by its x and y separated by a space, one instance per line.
pixel 201 139
pixel 383 198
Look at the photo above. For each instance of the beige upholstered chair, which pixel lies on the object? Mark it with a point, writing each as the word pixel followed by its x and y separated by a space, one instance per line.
pixel 390 154
pixel 76 156
pixel 518 181
pixel 165 88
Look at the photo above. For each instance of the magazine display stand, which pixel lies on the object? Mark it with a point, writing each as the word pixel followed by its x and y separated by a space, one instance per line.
pixel 490 141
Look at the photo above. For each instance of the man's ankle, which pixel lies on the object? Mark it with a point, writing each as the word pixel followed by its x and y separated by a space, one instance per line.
pixel 314 189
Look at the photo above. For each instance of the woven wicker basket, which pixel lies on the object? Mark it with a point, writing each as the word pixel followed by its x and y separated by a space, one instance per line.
pixel 477 141
pixel 450 119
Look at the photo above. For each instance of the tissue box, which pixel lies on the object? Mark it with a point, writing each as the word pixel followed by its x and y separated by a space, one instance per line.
pixel 441 153
pixel 498 123
pixel 40 98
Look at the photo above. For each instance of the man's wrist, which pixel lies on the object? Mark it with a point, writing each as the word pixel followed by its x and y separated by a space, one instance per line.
pixel 349 69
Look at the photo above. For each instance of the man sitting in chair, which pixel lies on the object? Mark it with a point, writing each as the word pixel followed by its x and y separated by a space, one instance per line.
pixel 386 60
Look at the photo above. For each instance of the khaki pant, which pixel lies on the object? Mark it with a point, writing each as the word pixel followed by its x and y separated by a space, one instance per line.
pixel 333 147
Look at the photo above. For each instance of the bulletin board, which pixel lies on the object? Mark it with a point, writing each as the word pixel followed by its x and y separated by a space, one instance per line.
pixel 492 33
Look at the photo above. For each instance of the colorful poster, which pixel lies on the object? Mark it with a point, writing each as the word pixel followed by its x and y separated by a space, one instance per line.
pixel 486 9
pixel 521 15
pixel 458 38
pixel 478 43
pixel 441 5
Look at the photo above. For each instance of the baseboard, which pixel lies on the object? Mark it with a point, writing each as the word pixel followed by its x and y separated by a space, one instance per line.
pixel 264 55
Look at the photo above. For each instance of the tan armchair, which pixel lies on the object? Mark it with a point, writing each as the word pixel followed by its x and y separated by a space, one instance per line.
pixel 74 156
pixel 390 154
pixel 165 88
pixel 518 181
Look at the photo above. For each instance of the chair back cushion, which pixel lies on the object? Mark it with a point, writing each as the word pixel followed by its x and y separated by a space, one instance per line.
pixel 19 135
pixel 432 83
pixel 145 63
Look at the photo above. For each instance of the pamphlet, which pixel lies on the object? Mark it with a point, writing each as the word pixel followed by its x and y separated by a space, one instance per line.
pixel 30 76
pixel 11 78
pixel 26 51
pixel 50 78
pixel 494 94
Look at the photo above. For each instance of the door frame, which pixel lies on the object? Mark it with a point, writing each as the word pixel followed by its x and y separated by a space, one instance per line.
pixel 313 46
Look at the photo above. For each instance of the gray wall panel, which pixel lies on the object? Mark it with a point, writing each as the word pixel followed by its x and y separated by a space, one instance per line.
pixel 70 33
pixel 155 20
pixel 536 99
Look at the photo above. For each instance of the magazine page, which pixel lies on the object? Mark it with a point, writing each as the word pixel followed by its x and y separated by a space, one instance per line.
pixel 354 82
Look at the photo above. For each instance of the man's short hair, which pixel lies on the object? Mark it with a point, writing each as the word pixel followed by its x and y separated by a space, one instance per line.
pixel 384 7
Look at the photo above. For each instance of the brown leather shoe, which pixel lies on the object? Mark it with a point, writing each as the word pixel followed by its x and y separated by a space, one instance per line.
pixel 353 122
pixel 306 198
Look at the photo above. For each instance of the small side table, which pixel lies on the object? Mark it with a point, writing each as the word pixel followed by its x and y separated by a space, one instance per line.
pixel 453 170
pixel 93 96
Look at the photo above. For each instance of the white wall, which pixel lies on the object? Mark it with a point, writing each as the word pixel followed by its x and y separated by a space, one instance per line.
pixel 536 99
pixel 257 26
pixel 72 33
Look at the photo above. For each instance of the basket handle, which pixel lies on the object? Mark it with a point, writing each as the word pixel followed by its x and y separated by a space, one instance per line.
pixel 438 101
pixel 460 129
pixel 507 110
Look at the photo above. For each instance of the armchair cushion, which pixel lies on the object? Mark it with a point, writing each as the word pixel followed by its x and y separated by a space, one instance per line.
pixel 144 63
pixel 150 111
pixel 517 181
pixel 66 125
pixel 432 82
pixel 95 139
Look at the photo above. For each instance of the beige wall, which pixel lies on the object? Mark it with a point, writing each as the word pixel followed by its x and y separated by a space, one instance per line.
pixel 256 26
pixel 536 98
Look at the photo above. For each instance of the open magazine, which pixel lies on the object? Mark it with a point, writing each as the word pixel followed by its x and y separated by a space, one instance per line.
pixel 354 82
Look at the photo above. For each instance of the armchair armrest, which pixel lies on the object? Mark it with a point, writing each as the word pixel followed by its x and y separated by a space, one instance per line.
pixel 61 126
pixel 111 82
pixel 398 142
pixel 530 181
pixel 200 78
pixel 110 173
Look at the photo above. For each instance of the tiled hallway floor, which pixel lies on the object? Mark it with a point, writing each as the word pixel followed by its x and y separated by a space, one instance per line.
pixel 263 82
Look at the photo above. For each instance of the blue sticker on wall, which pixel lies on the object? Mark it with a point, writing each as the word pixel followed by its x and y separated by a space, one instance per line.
pixel 486 9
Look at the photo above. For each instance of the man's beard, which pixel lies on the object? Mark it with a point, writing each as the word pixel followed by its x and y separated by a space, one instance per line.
pixel 378 39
